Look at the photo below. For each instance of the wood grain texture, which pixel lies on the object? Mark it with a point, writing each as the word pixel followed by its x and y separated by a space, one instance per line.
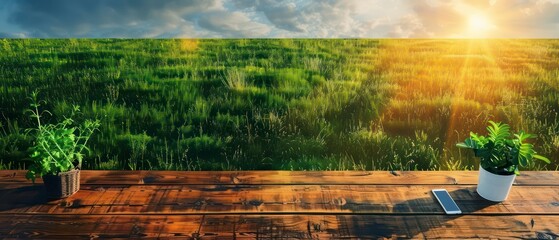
pixel 277 205
pixel 247 199
pixel 545 178
pixel 277 226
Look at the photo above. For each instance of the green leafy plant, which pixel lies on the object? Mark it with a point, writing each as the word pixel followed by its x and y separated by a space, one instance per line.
pixel 499 152
pixel 57 147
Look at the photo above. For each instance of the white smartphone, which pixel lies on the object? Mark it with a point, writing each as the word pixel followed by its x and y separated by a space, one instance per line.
pixel 446 201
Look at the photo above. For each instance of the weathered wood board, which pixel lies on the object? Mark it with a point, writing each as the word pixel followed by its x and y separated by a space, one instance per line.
pixel 277 205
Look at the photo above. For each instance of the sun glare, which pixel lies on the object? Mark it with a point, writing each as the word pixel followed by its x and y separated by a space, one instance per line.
pixel 479 26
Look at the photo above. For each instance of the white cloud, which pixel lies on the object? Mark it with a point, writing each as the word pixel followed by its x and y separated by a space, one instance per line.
pixel 409 26
pixel 274 18
pixel 318 18
pixel 233 24
pixel 285 15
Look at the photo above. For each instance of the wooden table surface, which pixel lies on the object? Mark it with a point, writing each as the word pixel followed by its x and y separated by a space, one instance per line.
pixel 277 205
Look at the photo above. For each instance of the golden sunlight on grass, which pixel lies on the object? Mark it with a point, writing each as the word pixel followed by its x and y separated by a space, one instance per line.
pixel 457 88
pixel 188 45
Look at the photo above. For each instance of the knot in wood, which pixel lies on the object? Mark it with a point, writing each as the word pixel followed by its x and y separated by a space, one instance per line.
pixel 316 227
pixel 339 201
pixel 454 181
pixel 136 230
pixel 235 179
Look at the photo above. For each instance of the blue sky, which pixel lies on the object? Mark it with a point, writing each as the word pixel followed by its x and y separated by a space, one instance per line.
pixel 279 18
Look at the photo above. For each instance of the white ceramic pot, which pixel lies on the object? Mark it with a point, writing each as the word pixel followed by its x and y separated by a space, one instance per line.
pixel 494 187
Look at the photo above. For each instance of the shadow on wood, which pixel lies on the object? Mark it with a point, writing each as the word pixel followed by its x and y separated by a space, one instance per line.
pixel 416 216
pixel 22 197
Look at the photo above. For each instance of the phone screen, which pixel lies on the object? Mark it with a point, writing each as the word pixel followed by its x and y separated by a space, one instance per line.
pixel 448 204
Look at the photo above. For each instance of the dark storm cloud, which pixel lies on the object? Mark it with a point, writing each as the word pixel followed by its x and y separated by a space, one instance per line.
pixel 61 18
pixel 8 35
pixel 132 18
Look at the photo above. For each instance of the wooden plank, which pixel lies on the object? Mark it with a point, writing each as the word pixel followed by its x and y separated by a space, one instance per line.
pixel 92 226
pixel 374 226
pixel 326 177
pixel 277 204
pixel 280 226
pixel 87 177
pixel 251 199
pixel 540 178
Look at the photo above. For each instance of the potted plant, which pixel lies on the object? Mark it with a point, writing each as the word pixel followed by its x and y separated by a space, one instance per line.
pixel 500 156
pixel 57 151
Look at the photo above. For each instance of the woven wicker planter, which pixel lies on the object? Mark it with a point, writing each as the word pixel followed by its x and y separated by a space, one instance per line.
pixel 63 185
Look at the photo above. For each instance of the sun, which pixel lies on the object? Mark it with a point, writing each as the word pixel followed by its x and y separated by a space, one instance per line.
pixel 479 22
pixel 479 26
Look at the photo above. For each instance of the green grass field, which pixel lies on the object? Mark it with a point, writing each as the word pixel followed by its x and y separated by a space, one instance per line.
pixel 282 104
